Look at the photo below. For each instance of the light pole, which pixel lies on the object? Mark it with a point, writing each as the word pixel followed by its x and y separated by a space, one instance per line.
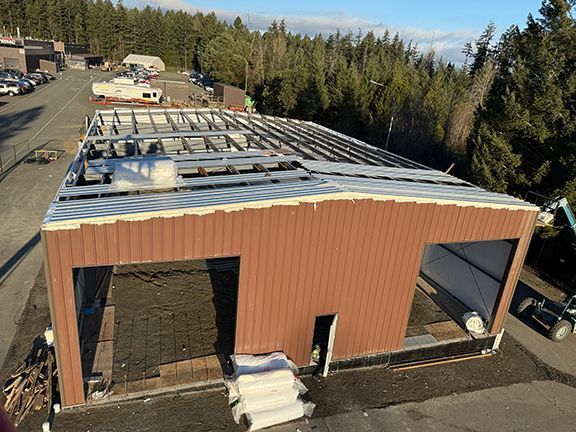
pixel 391 118
pixel 245 72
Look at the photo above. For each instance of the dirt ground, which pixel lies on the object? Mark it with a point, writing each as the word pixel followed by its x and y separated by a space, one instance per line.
pixel 35 318
pixel 170 312
pixel 424 311
pixel 339 393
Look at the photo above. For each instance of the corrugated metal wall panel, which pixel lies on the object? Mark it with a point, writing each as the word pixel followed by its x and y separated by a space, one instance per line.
pixel 410 273
pixel 359 259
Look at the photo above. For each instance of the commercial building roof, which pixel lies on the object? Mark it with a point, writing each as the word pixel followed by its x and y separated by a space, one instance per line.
pixel 85 56
pixel 231 160
pixel 145 60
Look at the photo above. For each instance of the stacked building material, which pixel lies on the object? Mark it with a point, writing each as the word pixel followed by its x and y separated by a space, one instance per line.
pixel 31 386
pixel 266 390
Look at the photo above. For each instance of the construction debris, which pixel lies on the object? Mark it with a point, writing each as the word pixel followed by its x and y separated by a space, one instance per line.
pixel 31 386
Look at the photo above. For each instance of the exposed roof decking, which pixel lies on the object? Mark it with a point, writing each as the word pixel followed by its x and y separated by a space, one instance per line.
pixel 228 158
pixel 139 204
pixel 407 174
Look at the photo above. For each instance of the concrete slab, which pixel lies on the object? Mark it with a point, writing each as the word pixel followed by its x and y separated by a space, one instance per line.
pixel 536 406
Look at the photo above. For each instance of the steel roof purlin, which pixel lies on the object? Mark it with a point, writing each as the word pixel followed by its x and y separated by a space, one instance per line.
pixel 225 157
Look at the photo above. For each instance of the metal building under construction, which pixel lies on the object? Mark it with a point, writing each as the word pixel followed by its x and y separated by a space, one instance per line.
pixel 333 239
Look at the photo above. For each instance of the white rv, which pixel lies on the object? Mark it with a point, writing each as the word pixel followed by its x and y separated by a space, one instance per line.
pixel 113 92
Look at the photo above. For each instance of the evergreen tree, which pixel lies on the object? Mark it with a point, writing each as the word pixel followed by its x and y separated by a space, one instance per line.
pixel 528 122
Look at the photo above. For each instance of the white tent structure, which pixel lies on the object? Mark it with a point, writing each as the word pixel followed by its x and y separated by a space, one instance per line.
pixel 144 61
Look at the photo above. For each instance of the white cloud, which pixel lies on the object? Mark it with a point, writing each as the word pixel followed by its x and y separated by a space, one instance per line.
pixel 447 44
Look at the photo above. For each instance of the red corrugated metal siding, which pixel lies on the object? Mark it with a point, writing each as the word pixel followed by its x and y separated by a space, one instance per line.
pixel 359 259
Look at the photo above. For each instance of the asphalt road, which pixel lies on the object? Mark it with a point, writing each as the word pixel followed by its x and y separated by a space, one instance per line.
pixel 532 334
pixel 533 407
pixel 51 115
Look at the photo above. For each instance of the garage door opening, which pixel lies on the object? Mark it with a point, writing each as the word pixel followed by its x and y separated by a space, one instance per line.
pixel 456 278
pixel 156 325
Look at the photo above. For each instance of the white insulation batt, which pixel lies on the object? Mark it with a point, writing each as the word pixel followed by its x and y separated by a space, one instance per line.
pixel 267 390
pixel 141 172
pixel 250 364
pixel 269 417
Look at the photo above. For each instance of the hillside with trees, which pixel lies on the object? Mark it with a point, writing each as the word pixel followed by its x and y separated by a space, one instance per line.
pixel 506 117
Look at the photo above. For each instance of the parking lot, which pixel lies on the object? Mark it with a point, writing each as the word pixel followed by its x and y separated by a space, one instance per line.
pixel 50 115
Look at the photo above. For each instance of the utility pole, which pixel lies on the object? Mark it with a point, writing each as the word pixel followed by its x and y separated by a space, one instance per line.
pixel 391 117
pixel 186 53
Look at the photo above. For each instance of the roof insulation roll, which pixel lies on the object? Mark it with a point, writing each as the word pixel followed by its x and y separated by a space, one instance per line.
pixel 158 172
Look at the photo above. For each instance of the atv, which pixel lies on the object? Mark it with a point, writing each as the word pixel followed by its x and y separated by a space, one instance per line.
pixel 560 317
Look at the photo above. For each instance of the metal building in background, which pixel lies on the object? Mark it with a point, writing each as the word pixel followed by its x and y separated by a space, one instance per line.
pixel 144 61
pixel 323 224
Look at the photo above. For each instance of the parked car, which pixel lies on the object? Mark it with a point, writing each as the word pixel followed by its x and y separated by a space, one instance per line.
pixel 127 74
pixel 35 79
pixel 38 76
pixel 14 72
pixel 194 77
pixel 25 86
pixel 46 75
pixel 8 75
pixel 9 88
pixel 206 83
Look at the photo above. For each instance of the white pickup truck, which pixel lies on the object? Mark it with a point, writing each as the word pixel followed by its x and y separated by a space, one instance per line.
pixel 9 88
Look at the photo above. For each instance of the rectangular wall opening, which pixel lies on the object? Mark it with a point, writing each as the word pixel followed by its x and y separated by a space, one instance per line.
pixel 323 342
pixel 156 325
pixel 456 278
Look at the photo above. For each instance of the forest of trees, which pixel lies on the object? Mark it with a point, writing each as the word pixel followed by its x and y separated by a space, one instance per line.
pixel 506 117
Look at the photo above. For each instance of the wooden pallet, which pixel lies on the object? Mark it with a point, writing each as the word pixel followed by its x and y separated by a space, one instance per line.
pixel 190 371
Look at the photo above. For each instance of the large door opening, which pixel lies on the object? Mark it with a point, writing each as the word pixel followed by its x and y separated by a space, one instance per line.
pixel 323 342
pixel 456 278
pixel 156 325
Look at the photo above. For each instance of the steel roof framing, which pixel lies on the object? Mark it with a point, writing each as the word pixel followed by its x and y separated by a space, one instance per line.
pixel 225 157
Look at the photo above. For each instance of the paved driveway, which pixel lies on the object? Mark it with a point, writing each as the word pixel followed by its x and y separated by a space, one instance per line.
pixel 52 115
pixel 531 334
pixel 534 407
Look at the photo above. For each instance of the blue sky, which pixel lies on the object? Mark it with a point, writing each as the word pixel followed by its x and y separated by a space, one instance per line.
pixel 444 25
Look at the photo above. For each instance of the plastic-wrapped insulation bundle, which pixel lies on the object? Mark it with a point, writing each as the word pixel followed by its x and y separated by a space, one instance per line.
pixel 266 390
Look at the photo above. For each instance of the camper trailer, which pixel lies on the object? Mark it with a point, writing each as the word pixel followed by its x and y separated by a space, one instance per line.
pixel 112 92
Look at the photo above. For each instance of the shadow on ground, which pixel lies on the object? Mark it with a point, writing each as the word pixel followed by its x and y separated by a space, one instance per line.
pixel 17 122
pixel 10 265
